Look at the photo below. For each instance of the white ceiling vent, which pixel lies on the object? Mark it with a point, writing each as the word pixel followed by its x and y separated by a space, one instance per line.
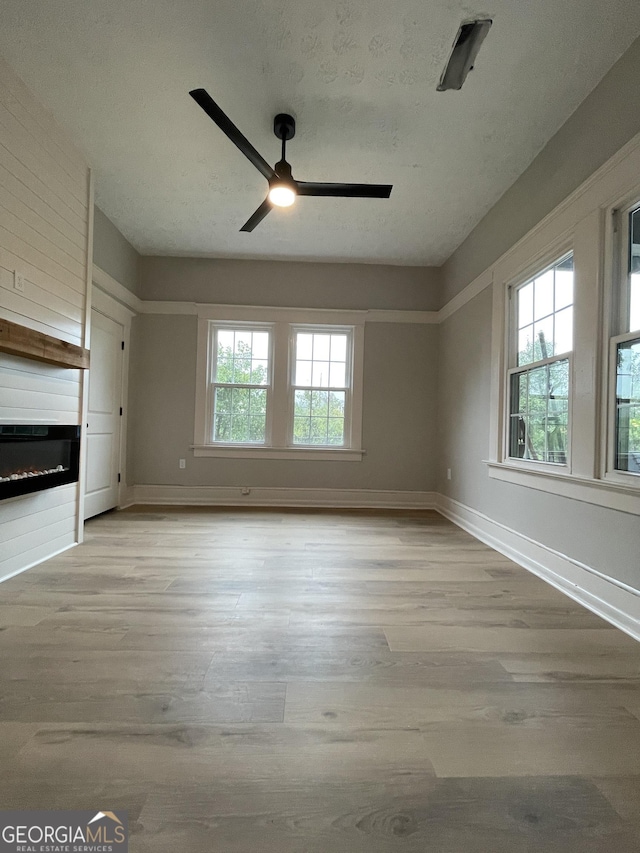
pixel 465 49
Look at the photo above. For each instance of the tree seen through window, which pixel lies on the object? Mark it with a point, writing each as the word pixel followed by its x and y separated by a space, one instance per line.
pixel 241 377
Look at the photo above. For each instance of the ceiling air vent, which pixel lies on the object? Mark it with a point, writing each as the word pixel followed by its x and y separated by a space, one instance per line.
pixel 465 49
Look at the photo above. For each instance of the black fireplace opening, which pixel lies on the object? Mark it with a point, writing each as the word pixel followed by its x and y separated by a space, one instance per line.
pixel 37 457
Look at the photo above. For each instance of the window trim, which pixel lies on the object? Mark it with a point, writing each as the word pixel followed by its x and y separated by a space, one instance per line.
pixel 616 317
pixel 622 497
pixel 622 289
pixel 212 385
pixel 294 329
pixel 613 474
pixel 280 322
pixel 533 270
pixel 521 462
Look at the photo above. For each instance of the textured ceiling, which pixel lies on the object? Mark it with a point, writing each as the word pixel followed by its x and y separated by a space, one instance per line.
pixel 360 77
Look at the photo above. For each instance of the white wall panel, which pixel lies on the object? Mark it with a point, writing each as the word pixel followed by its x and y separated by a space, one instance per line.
pixel 46 292
pixel 37 257
pixel 42 534
pixel 12 532
pixel 58 304
pixel 33 554
pixel 30 401
pixel 17 121
pixel 50 244
pixel 24 202
pixel 27 380
pixel 39 504
pixel 45 216
pixel 18 308
pixel 38 187
pixel 35 157
pixel 19 100
pixel 58 297
pixel 44 221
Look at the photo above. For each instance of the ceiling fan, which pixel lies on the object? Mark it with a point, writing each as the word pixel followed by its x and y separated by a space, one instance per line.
pixel 283 188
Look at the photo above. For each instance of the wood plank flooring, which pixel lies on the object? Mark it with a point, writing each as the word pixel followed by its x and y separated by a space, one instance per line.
pixel 297 682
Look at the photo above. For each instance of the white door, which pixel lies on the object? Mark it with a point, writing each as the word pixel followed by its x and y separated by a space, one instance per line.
pixel 104 415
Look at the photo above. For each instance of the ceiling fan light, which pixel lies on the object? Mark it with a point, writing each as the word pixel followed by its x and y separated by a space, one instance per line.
pixel 282 195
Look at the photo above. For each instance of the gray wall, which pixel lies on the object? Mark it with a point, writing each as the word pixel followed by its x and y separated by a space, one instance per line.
pixel 294 284
pixel 604 539
pixel 399 415
pixel 114 254
pixel 602 124
pixel 400 372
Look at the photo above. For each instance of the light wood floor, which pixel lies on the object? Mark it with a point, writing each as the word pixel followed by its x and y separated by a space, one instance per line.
pixel 269 682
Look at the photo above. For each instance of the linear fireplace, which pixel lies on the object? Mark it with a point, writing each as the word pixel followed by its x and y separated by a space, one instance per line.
pixel 37 457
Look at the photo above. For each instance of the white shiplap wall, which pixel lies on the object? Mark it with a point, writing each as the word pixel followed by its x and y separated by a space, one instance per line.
pixel 45 220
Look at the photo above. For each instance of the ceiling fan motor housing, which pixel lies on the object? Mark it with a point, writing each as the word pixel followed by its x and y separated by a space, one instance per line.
pixel 283 171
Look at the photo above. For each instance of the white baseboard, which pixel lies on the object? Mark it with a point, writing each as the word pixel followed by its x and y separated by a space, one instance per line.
pixel 232 496
pixel 614 601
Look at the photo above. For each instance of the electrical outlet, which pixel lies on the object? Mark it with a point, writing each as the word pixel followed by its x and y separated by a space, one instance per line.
pixel 182 463
pixel 448 473
pixel 18 281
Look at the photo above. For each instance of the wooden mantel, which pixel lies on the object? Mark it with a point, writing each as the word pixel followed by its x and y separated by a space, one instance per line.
pixel 20 340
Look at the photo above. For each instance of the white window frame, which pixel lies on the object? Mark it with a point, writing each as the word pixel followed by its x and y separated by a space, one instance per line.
pixel 281 323
pixel 616 319
pixel 513 368
pixel 507 280
pixel 214 328
pixel 632 478
pixel 348 405
pixel 622 297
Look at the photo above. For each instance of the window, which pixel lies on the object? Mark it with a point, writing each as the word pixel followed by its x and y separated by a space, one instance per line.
pixel 628 406
pixel 632 300
pixel 626 350
pixel 241 378
pixel 275 386
pixel 320 386
pixel 542 332
pixel 564 410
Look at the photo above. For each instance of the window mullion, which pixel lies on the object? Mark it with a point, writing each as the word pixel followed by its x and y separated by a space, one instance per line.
pixel 586 363
pixel 512 327
pixel 237 385
pixel 328 388
pixel 552 359
pixel 280 383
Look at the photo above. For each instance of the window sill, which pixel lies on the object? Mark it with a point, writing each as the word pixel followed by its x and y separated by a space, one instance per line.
pixel 335 454
pixel 612 495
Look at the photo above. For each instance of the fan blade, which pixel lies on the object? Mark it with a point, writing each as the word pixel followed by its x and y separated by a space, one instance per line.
pixel 204 100
pixel 258 216
pixel 345 190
